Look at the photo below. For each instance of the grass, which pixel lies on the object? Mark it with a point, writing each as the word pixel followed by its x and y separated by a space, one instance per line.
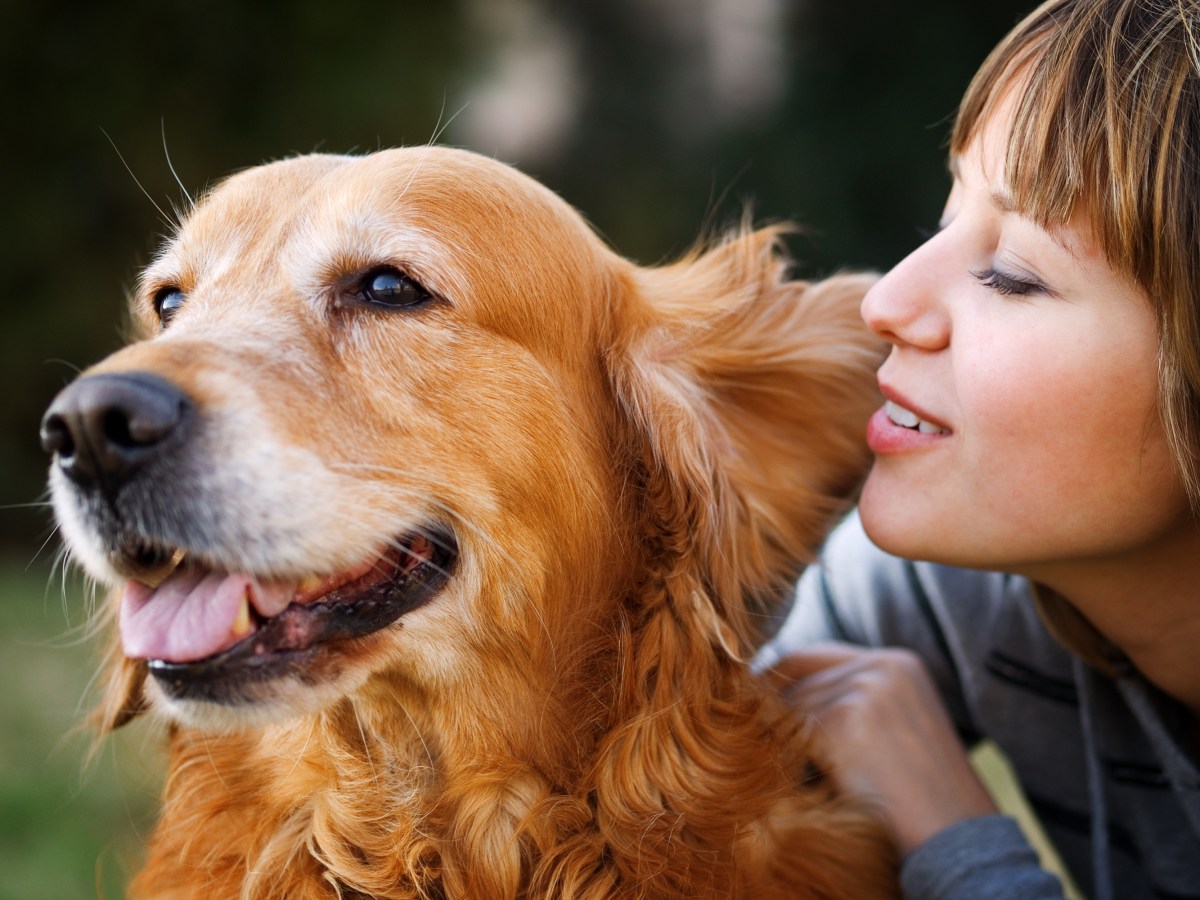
pixel 68 829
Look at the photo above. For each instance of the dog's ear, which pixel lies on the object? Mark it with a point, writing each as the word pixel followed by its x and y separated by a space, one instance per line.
pixel 750 394
pixel 745 399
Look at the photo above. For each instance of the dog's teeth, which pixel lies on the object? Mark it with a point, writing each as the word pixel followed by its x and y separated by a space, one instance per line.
pixel 243 625
pixel 311 583
pixel 157 576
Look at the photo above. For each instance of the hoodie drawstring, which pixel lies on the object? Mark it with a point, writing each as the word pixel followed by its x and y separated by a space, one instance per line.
pixel 1101 866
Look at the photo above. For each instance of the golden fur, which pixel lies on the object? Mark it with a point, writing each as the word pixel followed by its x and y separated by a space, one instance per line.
pixel 634 462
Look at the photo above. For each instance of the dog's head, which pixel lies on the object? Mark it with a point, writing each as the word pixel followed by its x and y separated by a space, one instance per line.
pixel 404 417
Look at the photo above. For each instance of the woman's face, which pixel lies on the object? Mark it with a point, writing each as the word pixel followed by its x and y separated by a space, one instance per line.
pixel 1031 366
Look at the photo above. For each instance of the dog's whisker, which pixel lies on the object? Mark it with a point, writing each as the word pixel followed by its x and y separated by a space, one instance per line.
pixel 97 616
pixel 174 174
pixel 420 737
pixel 98 613
pixel 36 504
pixel 90 690
pixel 441 127
pixel 300 754
pixel 42 546
pixel 405 547
pixel 366 744
pixel 177 211
pixel 206 740
pixel 58 566
pixel 167 220
pixel 75 369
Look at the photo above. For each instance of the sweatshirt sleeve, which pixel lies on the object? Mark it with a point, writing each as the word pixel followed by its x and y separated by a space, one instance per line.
pixel 987 856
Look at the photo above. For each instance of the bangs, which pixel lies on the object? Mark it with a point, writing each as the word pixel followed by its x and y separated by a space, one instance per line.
pixel 1105 124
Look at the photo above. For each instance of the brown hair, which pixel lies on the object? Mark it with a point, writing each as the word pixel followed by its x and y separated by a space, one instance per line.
pixel 1108 122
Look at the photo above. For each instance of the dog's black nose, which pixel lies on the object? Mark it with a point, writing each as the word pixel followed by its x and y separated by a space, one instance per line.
pixel 104 428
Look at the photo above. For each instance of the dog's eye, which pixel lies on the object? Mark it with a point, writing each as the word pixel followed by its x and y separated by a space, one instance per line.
pixel 167 302
pixel 387 286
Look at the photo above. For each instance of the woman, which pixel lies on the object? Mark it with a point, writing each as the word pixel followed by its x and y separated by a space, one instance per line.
pixel 1038 453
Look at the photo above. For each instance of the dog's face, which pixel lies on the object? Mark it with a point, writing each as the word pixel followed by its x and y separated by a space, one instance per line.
pixel 365 389
pixel 389 418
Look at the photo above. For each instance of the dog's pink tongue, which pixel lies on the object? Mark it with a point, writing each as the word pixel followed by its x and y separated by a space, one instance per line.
pixel 192 614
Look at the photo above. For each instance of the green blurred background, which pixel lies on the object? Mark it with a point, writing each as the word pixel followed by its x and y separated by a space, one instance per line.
pixel 656 118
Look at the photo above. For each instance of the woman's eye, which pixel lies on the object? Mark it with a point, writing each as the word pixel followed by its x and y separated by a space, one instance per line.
pixel 167 302
pixel 1009 285
pixel 387 286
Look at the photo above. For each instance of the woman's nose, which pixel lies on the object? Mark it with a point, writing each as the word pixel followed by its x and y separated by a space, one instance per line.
pixel 906 306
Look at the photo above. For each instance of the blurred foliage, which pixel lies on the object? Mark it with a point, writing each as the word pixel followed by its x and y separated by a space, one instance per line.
pixel 851 146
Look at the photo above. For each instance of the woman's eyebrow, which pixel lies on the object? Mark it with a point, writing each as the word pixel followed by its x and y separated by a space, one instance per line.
pixel 1004 202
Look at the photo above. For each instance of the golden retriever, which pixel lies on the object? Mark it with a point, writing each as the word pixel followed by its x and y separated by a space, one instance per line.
pixel 441 534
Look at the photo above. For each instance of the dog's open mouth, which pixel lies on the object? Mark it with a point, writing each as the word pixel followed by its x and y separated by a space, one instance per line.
pixel 200 626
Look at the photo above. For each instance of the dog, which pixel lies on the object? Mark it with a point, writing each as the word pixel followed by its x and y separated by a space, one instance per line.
pixel 441 535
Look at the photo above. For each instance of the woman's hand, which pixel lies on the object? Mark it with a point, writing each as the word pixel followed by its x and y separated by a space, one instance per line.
pixel 888 734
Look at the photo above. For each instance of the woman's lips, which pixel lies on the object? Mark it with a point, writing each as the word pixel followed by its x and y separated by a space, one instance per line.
pixel 886 436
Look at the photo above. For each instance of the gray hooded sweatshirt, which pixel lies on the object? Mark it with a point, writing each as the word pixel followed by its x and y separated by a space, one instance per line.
pixel 1105 762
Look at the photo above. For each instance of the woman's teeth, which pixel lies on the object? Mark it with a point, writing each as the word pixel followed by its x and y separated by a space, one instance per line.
pixel 908 419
